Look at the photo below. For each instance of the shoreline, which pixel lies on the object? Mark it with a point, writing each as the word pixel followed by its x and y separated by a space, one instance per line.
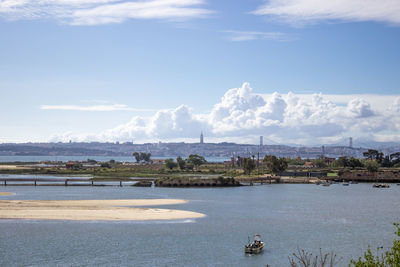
pixel 94 210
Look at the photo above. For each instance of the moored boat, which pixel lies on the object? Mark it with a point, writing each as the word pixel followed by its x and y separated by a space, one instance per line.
pixel 256 246
pixel 381 185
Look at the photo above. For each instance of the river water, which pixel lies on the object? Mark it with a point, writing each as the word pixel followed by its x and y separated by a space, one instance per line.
pixel 343 219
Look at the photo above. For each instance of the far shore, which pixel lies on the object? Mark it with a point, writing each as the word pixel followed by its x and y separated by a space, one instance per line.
pixel 98 210
pixel 209 174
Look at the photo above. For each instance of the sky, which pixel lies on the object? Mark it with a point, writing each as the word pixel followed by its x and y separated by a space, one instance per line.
pixel 294 71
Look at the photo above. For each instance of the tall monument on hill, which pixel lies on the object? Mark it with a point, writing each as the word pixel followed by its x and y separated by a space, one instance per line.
pixel 201 138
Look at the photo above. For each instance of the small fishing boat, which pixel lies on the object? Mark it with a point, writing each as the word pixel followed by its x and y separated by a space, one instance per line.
pixel 254 247
pixel 381 185
pixel 346 183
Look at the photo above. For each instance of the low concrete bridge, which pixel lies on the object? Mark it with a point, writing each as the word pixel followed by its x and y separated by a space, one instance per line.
pixel 68 181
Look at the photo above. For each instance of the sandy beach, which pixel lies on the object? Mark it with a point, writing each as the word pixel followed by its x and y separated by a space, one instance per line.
pixel 13 167
pixel 6 193
pixel 101 210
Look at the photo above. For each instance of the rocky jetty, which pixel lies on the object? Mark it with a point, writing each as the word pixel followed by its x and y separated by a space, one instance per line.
pixel 383 176
pixel 143 184
pixel 197 182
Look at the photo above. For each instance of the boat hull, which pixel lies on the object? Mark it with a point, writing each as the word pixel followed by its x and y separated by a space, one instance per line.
pixel 254 250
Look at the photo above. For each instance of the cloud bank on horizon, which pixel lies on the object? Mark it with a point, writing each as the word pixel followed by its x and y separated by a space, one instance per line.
pixel 243 115
pixel 93 12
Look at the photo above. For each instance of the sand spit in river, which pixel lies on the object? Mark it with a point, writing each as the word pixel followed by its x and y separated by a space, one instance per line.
pixel 99 210
pixel 6 194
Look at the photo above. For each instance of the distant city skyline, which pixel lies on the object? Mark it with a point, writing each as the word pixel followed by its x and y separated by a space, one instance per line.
pixel 295 72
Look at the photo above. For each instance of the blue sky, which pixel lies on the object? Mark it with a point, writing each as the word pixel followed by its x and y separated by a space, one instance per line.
pixel 108 70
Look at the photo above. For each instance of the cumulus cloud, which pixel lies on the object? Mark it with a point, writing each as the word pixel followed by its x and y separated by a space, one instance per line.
pixel 359 108
pixel 395 107
pixel 393 114
pixel 311 11
pixel 93 12
pixel 242 114
pixel 163 125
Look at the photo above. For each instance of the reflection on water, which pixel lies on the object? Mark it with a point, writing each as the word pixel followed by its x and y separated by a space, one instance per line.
pixel 343 219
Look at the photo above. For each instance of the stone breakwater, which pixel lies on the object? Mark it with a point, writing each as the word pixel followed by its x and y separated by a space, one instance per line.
pixel 387 176
pixel 197 182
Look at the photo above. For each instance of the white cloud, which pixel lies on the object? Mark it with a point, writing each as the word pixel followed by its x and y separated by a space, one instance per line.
pixel 359 108
pixel 163 125
pixel 311 11
pixel 395 107
pixel 240 36
pixel 93 12
pixel 242 114
pixel 114 107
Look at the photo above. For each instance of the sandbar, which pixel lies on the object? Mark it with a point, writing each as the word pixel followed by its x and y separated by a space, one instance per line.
pixel 6 194
pixel 13 167
pixel 97 210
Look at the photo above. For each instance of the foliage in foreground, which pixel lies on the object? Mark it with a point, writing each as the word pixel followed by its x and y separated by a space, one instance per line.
pixel 390 258
pixel 306 259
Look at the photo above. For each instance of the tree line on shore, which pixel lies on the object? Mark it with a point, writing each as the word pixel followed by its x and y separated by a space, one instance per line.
pixel 373 160
pixel 273 164
pixel 193 161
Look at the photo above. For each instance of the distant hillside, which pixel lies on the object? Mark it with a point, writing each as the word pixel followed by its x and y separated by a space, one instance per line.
pixel 177 149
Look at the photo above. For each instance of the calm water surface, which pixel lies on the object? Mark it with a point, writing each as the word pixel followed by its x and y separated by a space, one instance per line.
pixel 343 219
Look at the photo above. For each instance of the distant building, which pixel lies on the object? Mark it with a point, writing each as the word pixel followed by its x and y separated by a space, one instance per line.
pixel 329 161
pixel 201 138
pixel 72 165
pixel 158 161
pixel 351 142
pixel 261 140
pixel 308 164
